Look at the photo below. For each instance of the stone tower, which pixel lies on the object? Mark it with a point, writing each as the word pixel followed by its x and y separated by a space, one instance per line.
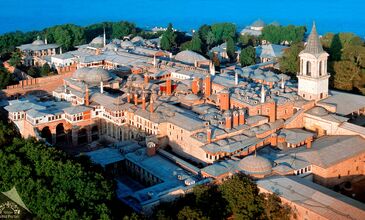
pixel 313 76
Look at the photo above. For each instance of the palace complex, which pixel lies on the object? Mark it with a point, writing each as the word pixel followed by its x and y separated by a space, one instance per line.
pixel 172 122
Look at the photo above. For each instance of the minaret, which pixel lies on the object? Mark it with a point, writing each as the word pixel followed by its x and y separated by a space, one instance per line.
pixel 45 40
pixel 313 77
pixel 104 38
pixel 60 50
pixel 101 86
pixel 212 69
pixel 154 61
pixel 263 94
pixel 236 78
pixel 282 85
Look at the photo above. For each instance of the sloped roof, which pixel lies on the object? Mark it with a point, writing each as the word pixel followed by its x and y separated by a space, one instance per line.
pixel 314 45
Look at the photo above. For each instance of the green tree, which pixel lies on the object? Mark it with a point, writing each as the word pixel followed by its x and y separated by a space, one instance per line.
pixel 216 61
pixel 231 48
pixel 195 44
pixel 6 78
pixel 223 31
pixel 248 40
pixel 274 209
pixel 280 34
pixel 34 72
pixel 168 40
pixel 123 28
pixel 248 56
pixel 53 185
pixel 243 197
pixel 188 213
pixel 45 70
pixel 210 40
pixel 346 75
pixel 15 59
pixel 289 62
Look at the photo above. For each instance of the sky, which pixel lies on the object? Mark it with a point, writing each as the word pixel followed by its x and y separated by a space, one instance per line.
pixel 330 15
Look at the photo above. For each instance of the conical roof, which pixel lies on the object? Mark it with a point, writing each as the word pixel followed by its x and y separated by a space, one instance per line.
pixel 314 45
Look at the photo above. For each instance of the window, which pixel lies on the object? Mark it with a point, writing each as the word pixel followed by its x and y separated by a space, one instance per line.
pixel 339 176
pixel 309 71
pixel 320 68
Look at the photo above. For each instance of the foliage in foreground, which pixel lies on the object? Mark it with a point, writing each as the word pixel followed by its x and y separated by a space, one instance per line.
pixel 51 184
pixel 236 198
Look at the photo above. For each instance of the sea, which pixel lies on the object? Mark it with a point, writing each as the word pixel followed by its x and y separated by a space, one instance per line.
pixel 187 15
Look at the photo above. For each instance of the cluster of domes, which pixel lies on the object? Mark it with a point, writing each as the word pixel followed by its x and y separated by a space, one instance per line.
pixel 92 76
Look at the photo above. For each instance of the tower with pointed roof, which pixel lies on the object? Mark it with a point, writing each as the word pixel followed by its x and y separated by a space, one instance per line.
pixel 313 77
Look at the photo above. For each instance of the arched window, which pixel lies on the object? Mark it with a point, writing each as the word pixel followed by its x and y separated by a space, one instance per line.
pixel 309 71
pixel 320 68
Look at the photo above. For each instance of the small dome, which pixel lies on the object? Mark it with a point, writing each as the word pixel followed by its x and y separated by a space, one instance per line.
pixel 38 42
pixel 189 57
pixel 116 41
pixel 111 46
pixel 318 111
pixel 222 142
pixel 255 165
pixel 137 39
pixel 97 42
pixel 127 44
pixel 92 76
pixel 264 127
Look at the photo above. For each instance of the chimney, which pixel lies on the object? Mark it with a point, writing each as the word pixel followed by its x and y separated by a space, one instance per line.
pixel 151 149
pixel 228 117
pixel 129 97
pixel 135 99
pixel 308 143
pixel 151 106
pixel 208 86
pixel 87 96
pixel 143 101
pixel 224 100
pixel 146 79
pixel 168 86
pixel 263 94
pixel 235 119
pixel 195 86
pixel 241 116
pixel 209 134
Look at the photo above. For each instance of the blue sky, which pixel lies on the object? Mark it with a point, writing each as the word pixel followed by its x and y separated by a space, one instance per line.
pixel 330 15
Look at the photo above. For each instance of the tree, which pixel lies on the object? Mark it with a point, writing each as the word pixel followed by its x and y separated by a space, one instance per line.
pixel 123 28
pixel 223 31
pixel 168 40
pixel 51 184
pixel 274 208
pixel 289 62
pixel 6 78
pixel 243 197
pixel 280 34
pixel 248 40
pixel 34 72
pixel 346 75
pixel 6 134
pixel 231 48
pixel 248 56
pixel 187 213
pixel 15 59
pixel 216 61
pixel 210 40
pixel 195 44
pixel 45 70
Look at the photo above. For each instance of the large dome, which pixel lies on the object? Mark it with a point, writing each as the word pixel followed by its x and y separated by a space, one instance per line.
pixel 189 57
pixel 92 76
pixel 255 165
